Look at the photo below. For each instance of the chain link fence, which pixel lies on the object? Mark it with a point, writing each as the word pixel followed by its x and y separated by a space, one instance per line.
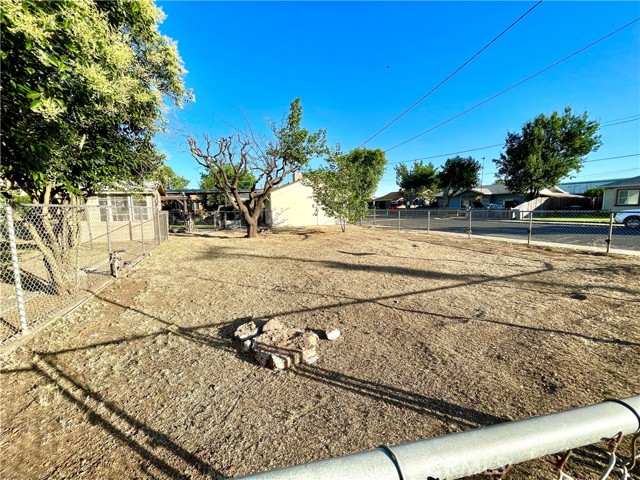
pixel 51 256
pixel 593 229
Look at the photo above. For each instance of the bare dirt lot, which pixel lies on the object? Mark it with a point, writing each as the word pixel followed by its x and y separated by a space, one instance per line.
pixel 439 334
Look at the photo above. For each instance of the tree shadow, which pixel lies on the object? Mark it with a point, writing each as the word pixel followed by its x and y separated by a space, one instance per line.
pixel 29 281
pixel 398 397
pixel 118 423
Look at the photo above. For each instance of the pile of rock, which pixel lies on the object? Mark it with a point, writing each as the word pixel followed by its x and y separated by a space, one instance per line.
pixel 275 345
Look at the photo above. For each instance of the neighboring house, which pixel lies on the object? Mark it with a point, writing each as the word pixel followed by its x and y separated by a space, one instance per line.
pixel 500 195
pixel 579 188
pixel 292 205
pixel 621 195
pixel 385 201
pixel 126 212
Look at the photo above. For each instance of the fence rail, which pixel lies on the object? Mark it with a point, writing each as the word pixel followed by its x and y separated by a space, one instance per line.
pixel 489 450
pixel 53 255
pixel 593 229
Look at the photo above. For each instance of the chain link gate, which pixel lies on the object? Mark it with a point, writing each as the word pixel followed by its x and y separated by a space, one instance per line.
pixel 52 256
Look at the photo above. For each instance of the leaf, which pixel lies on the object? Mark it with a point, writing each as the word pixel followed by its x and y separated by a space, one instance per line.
pixel 35 104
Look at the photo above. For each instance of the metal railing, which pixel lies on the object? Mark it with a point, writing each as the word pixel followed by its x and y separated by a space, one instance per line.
pixel 591 229
pixel 53 255
pixel 488 450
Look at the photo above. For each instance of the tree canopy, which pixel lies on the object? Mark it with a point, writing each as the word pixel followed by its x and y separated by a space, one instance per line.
pixel 208 182
pixel 344 187
pixel 230 159
pixel 85 86
pixel 170 179
pixel 418 181
pixel 457 175
pixel 548 149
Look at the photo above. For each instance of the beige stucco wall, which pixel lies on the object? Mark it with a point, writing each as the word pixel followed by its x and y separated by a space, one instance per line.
pixel 292 206
pixel 610 196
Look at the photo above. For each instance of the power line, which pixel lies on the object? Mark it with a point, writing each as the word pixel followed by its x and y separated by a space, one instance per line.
pixel 448 77
pixel 447 154
pixel 516 84
pixel 619 123
pixel 500 144
pixel 632 117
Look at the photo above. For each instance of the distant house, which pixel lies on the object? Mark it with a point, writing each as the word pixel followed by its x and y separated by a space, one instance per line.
pixel 500 196
pixel 292 205
pixel 622 194
pixel 127 214
pixel 579 188
pixel 387 200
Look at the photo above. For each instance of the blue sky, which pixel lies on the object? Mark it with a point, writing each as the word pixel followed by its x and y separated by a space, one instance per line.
pixel 357 65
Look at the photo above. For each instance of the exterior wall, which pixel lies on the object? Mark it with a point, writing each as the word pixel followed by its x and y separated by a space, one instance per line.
pixel 292 206
pixel 94 229
pixel 610 198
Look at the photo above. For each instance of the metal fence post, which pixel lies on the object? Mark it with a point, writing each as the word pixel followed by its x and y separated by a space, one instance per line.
pixel 374 216
pixel 156 224
pixel 530 228
pixel 130 218
pixel 142 231
pixel 109 229
pixel 398 220
pixel 88 218
pixel 469 224
pixel 16 270
pixel 610 235
pixel 428 221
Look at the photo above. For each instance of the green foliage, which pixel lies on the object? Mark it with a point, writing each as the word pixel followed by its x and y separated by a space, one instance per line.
pixel 84 85
pixel 345 186
pixel 208 181
pixel 229 160
pixel 547 150
pixel 169 179
pixel 594 192
pixel 457 175
pixel 419 181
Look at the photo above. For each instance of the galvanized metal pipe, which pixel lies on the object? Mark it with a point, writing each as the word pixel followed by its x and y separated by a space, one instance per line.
pixel 461 454
pixel 17 281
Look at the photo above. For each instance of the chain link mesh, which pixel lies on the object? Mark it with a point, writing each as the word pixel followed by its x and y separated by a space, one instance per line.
pixel 51 256
pixel 580 228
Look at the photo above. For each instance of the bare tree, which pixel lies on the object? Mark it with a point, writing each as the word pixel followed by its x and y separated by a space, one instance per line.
pixel 230 159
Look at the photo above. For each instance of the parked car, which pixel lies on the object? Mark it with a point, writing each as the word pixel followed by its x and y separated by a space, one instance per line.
pixel 630 218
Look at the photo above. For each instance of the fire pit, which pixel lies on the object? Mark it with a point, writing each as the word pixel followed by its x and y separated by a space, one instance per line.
pixel 275 345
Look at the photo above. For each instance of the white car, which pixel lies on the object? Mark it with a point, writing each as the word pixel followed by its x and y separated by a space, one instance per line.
pixel 630 218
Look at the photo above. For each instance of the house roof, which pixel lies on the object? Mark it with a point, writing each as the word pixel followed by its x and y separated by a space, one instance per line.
pixel 389 197
pixel 625 182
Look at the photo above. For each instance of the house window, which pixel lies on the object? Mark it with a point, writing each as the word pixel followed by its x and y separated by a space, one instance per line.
pixel 628 197
pixel 120 208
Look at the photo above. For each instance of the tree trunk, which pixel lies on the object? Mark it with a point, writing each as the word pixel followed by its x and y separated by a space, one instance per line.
pixel 252 228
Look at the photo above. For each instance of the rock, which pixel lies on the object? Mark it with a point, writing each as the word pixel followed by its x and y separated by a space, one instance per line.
pixel 312 360
pixel 331 333
pixel 246 346
pixel 246 331
pixel 273 324
pixel 279 362
pixel 312 338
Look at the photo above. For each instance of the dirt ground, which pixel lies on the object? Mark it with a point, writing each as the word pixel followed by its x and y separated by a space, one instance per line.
pixel 439 334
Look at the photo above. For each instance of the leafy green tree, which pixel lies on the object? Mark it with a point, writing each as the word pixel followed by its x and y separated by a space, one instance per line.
pixel 84 90
pixel 547 150
pixel 419 181
pixel 457 175
pixel 84 86
pixel 171 180
pixel 594 192
pixel 345 186
pixel 208 182
pixel 230 159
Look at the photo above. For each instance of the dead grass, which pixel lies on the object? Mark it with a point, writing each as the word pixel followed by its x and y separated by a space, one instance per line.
pixel 440 334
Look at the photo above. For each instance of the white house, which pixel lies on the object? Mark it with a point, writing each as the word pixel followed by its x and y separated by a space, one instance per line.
pixel 292 205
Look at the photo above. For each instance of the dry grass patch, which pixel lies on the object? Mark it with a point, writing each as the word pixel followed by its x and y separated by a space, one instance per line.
pixel 439 334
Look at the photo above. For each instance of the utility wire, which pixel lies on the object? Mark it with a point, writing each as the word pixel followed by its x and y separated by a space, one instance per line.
pixel 586 161
pixel 516 84
pixel 448 77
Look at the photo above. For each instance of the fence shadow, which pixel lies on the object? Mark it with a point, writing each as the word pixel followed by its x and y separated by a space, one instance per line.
pixel 117 422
